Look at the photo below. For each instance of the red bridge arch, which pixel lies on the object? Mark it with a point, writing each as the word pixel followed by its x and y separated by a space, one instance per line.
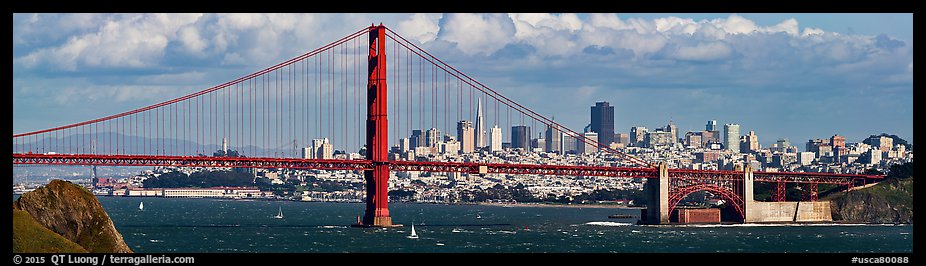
pixel 726 193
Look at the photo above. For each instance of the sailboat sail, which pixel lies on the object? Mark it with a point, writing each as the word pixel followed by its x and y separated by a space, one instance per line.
pixel 414 234
pixel 141 206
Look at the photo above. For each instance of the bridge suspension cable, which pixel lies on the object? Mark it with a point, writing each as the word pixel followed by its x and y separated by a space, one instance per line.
pixel 488 92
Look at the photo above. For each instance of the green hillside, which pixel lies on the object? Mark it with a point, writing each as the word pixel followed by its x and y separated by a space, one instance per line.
pixel 31 237
pixel 890 201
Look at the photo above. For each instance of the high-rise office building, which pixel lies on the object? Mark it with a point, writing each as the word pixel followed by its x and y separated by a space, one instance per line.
pixel 603 122
pixel 783 145
pixel 465 135
pixel 838 141
pixel 432 137
pixel 657 138
pixel 712 137
pixel 495 139
pixel 449 147
pixel 750 143
pixel 693 139
pixel 589 145
pixel 404 144
pixel 673 132
pixel 308 153
pixel 784 142
pixel 839 145
pixel 712 133
pixel 716 136
pixel 538 143
pixel 813 145
pixel 805 158
pixel 569 144
pixel 711 125
pixel 622 138
pixel 637 135
pixel 731 137
pixel 417 139
pixel 480 129
pixel 553 139
pixel 320 149
pixel 520 137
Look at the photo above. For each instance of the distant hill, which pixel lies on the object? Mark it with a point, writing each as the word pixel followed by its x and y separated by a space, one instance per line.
pixel 895 140
pixel 77 143
pixel 69 211
pixel 890 201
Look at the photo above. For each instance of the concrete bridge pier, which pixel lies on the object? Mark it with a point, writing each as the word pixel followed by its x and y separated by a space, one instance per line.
pixel 779 211
pixel 748 197
pixel 657 197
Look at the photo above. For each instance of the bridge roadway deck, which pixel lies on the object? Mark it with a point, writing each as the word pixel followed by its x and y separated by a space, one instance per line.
pixel 462 167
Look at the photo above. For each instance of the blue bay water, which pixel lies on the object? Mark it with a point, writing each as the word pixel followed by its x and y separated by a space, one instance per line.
pixel 211 225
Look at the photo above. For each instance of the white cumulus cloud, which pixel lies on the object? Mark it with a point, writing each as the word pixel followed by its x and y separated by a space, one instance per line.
pixel 134 40
pixel 789 26
pixel 676 25
pixel 704 51
pixel 736 24
pixel 420 27
pixel 477 33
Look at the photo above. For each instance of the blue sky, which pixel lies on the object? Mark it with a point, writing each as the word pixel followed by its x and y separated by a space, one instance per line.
pixel 796 76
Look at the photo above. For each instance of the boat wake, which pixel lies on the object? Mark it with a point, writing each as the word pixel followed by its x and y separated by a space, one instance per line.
pixel 608 223
pixel 332 226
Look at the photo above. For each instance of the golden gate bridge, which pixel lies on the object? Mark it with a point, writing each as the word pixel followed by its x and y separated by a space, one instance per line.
pixel 341 91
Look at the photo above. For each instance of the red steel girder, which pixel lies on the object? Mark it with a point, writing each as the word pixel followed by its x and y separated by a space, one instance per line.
pixel 528 169
pixel 810 192
pixel 779 193
pixel 534 169
pixel 809 177
pixel 705 174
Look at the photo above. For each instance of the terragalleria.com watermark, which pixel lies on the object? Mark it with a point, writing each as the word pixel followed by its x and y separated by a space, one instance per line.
pixel 104 259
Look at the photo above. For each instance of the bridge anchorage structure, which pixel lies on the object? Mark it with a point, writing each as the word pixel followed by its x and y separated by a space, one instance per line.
pixel 307 100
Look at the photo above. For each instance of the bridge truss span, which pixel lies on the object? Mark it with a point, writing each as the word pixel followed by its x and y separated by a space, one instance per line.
pixel 524 169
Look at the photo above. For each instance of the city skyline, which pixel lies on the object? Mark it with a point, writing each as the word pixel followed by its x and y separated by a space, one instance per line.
pixel 854 81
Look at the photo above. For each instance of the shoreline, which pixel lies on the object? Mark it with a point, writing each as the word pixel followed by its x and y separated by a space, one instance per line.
pixel 537 205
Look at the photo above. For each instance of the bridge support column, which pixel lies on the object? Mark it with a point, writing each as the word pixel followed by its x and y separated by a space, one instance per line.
pixel 780 192
pixel 657 191
pixel 377 187
pixel 810 192
pixel 377 209
pixel 748 198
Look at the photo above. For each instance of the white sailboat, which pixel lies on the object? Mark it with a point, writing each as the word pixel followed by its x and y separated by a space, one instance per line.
pixel 280 215
pixel 413 235
pixel 141 206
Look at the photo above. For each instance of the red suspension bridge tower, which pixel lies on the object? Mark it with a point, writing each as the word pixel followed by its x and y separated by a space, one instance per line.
pixel 377 179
